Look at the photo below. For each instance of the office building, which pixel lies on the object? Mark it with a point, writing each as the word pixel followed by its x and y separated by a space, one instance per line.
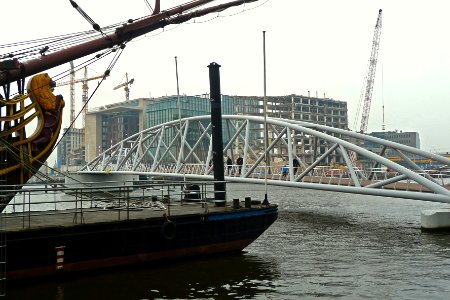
pixel 70 150
pixel 110 124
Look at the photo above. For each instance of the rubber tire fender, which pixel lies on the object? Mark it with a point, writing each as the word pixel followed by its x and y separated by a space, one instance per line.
pixel 169 230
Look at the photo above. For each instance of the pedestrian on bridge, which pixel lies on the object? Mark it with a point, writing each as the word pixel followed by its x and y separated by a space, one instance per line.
pixel 239 162
pixel 284 171
pixel 295 164
pixel 229 165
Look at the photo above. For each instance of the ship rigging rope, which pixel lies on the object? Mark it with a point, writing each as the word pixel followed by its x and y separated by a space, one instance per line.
pixel 80 66
pixel 107 72
pixel 43 46
pixel 35 47
pixel 86 63
pixel 86 16
pixel 149 6
pixel 171 22
pixel 27 166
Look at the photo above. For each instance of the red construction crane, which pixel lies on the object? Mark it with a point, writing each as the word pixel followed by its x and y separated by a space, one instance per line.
pixel 370 75
pixel 126 85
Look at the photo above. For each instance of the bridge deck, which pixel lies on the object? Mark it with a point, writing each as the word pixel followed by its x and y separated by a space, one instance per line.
pixel 344 181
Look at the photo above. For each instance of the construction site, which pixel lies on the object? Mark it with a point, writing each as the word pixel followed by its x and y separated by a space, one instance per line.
pixel 72 149
pixel 104 126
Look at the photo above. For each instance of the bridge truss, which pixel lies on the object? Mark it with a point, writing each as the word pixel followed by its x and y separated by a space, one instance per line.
pixel 329 158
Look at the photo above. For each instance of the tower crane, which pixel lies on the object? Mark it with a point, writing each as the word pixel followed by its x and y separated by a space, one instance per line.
pixel 85 88
pixel 371 75
pixel 126 85
pixel 72 93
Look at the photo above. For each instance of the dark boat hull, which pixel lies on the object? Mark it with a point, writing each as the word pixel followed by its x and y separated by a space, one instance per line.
pixel 34 253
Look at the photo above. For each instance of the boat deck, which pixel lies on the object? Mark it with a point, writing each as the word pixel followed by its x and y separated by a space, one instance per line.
pixel 71 217
pixel 37 207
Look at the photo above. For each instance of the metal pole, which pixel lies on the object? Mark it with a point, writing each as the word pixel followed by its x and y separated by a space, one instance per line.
pixel 266 201
pixel 67 152
pixel 178 91
pixel 179 111
pixel 217 141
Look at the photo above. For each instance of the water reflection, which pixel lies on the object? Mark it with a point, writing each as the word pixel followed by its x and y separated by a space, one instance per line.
pixel 234 276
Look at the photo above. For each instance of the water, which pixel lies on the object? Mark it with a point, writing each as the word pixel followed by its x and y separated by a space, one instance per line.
pixel 324 244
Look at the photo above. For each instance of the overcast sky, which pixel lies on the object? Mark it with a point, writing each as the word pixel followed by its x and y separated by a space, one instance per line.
pixel 320 46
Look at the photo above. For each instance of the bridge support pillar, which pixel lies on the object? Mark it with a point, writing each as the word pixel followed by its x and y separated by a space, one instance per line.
pixel 435 219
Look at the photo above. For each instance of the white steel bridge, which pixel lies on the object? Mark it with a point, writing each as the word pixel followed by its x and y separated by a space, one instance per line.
pixel 328 158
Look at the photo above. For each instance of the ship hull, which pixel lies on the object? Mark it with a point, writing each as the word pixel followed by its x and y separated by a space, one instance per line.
pixel 60 250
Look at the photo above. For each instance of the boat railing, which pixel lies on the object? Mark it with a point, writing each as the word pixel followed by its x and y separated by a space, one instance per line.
pixel 118 202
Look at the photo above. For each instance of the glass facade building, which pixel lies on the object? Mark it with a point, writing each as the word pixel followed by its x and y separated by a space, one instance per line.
pixel 165 109
pixel 118 126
